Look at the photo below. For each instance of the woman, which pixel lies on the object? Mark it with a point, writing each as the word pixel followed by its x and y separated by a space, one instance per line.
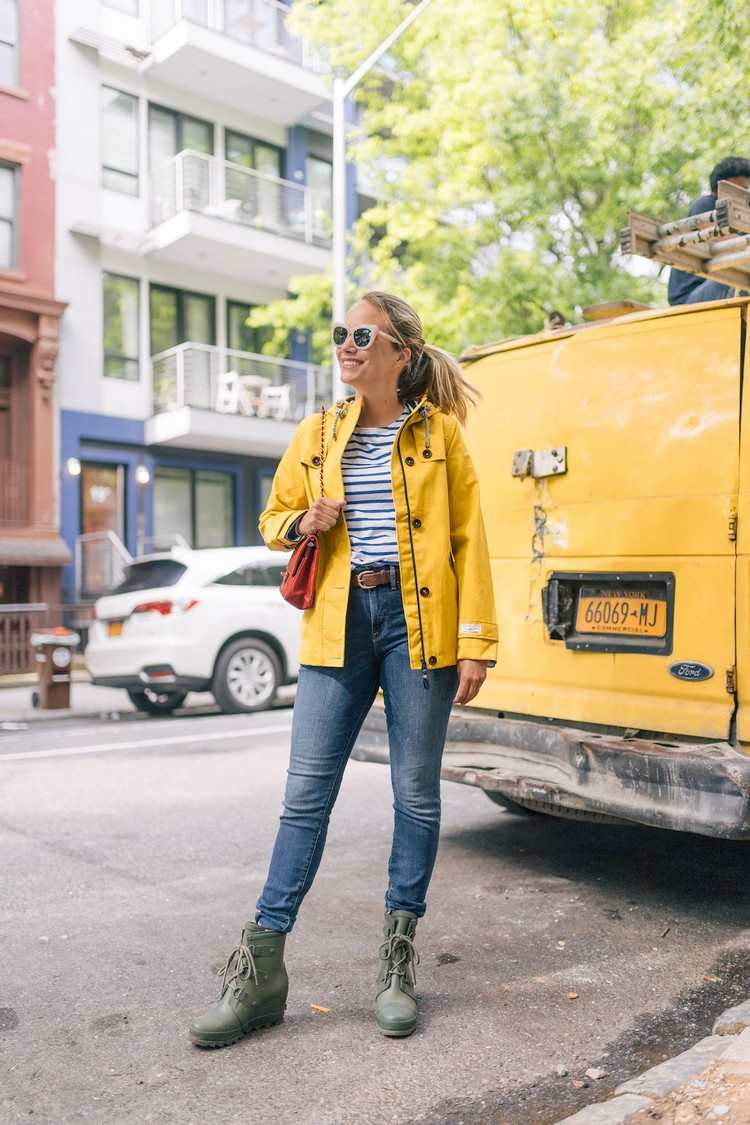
pixel 403 603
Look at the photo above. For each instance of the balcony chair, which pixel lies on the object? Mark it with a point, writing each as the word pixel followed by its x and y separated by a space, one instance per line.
pixel 275 402
pixel 228 393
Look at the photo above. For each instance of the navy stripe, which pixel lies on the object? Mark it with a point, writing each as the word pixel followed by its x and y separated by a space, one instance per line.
pixel 366 469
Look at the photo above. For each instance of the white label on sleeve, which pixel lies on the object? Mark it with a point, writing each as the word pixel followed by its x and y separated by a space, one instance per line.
pixel 470 627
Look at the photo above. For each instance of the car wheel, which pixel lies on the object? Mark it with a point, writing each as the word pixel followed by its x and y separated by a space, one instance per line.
pixel 156 702
pixel 247 676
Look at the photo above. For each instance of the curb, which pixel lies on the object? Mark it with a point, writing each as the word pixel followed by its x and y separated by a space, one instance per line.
pixel 31 679
pixel 728 1047
pixel 32 719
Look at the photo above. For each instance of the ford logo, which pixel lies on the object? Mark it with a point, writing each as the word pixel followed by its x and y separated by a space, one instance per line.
pixel 690 670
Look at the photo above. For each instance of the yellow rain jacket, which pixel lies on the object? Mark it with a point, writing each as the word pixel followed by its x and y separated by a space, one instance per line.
pixel 446 584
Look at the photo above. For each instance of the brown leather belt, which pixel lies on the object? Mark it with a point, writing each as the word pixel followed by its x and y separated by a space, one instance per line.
pixel 367 579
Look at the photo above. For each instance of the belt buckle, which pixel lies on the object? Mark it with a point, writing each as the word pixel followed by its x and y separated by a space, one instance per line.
pixel 359 576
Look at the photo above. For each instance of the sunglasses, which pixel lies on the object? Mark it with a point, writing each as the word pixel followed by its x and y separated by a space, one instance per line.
pixel 362 337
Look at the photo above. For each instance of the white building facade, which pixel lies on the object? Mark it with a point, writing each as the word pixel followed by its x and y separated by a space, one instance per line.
pixel 193 163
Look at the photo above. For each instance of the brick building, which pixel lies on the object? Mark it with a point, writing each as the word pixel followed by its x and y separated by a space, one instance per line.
pixel 32 553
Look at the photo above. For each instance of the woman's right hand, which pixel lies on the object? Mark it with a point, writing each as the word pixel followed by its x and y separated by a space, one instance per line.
pixel 321 516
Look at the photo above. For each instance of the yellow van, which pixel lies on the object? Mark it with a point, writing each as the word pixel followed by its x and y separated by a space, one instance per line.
pixel 614 460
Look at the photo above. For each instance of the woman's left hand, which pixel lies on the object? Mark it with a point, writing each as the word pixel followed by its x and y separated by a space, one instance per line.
pixel 471 676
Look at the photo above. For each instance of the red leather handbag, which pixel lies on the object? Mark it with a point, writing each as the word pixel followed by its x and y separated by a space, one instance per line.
pixel 298 582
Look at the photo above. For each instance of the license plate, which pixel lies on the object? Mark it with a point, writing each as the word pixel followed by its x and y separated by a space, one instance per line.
pixel 630 613
pixel 114 629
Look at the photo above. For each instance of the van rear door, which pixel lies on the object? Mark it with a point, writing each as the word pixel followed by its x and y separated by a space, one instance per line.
pixel 614 575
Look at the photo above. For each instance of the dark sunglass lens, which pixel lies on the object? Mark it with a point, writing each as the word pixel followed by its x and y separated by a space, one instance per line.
pixel 339 335
pixel 362 337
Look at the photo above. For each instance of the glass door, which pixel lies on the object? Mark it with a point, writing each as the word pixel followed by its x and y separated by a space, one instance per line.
pixel 319 180
pixel 169 133
pixel 102 511
pixel 260 197
pixel 179 317
pixel 173 507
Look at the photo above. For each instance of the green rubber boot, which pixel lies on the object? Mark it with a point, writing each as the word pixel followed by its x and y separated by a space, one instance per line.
pixel 396 1003
pixel 253 990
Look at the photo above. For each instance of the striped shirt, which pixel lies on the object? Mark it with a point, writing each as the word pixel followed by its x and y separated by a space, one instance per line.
pixel 366 469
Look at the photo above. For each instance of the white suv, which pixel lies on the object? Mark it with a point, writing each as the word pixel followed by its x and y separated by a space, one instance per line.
pixel 208 620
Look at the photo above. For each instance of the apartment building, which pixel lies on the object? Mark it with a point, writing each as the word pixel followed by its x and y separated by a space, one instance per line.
pixel 32 553
pixel 193 180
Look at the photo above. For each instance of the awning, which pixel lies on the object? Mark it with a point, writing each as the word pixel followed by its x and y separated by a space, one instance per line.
pixel 32 551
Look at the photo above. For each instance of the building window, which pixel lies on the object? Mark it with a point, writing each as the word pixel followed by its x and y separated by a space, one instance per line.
pixel 121 335
pixel 241 149
pixel 8 209
pixel 170 132
pixel 240 337
pixel 8 42
pixel 179 317
pixel 129 7
pixel 195 504
pixel 119 141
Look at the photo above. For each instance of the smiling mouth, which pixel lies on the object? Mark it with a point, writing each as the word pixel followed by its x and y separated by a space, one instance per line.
pixel 351 363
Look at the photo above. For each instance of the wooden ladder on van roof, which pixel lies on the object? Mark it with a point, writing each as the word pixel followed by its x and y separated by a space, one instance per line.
pixel 713 244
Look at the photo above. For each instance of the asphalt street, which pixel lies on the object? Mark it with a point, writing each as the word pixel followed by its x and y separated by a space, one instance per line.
pixel 133 851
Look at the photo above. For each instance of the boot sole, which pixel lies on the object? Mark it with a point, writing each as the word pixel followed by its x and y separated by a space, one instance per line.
pixel 256 1025
pixel 397 1033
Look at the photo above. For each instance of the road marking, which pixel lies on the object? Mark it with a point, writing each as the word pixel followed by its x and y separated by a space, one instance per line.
pixel 175 740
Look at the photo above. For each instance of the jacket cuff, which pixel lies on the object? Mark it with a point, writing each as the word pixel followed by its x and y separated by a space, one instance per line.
pixel 292 533
pixel 477 648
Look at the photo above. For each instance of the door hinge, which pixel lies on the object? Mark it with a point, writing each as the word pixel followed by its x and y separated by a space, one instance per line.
pixel 731 680
pixel 732 526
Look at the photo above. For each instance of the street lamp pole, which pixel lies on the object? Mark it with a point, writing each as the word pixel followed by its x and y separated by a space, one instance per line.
pixel 342 88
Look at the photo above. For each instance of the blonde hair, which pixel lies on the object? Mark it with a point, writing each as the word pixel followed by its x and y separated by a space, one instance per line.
pixel 430 370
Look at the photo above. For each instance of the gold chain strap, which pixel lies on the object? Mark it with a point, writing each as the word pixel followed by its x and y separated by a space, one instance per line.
pixel 322 445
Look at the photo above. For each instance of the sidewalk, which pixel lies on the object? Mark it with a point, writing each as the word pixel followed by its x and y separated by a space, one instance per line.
pixel 708 1083
pixel 87 701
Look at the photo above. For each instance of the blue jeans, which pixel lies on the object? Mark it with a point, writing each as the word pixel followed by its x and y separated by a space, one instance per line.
pixel 329 709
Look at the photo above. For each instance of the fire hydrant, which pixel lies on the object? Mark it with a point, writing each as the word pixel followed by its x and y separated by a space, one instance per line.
pixel 54 656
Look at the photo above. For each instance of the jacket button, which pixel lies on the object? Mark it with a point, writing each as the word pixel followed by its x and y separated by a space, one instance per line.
pixel 416 523
pixel 425 591
pixel 432 660
pixel 316 460
pixel 409 460
pixel 427 453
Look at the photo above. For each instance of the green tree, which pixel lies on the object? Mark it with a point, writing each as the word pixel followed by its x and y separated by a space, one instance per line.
pixel 509 140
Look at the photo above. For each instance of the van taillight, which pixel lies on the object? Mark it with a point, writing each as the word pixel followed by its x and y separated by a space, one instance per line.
pixel 165 607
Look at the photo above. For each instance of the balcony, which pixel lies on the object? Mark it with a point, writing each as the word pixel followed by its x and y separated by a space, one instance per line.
pixel 236 221
pixel 241 51
pixel 230 401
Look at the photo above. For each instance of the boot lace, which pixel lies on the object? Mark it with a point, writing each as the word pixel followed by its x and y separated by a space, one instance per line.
pixel 400 953
pixel 239 967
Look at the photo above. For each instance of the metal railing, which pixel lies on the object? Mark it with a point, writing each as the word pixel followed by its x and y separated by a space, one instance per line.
pixel 14 492
pixel 194 181
pixel 17 623
pixel 156 544
pixel 100 561
pixel 235 382
pixel 259 23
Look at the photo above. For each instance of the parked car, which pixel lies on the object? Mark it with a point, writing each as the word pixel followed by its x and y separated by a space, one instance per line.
pixel 197 620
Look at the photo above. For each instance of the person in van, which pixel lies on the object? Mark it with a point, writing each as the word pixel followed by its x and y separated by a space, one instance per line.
pixel 403 603
pixel 686 288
